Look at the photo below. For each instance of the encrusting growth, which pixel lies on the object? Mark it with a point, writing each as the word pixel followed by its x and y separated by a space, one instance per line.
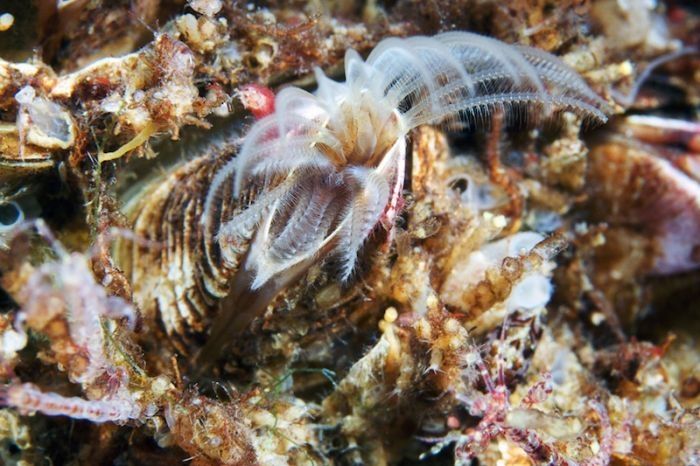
pixel 326 169
pixel 62 300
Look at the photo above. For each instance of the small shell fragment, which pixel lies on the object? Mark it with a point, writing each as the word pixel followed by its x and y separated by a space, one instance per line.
pixel 42 122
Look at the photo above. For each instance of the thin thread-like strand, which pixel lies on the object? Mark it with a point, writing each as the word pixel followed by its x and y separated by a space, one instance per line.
pixel 28 398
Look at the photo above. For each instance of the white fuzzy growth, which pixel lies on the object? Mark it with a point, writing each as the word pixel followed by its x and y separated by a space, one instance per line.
pixel 337 153
pixel 28 398
pixel 67 289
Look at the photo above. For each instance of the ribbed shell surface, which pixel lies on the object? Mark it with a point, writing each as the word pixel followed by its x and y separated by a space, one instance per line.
pixel 175 264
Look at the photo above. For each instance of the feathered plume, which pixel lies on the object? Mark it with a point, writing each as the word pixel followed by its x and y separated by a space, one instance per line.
pixel 330 164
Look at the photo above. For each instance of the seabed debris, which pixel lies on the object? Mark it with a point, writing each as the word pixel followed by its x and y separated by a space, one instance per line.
pixel 350 233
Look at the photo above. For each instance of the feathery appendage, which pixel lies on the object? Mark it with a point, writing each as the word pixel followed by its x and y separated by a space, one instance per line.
pixel 328 166
pixel 468 76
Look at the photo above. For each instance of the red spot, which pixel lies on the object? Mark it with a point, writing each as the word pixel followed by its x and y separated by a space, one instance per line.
pixel 676 14
pixel 453 422
pixel 258 100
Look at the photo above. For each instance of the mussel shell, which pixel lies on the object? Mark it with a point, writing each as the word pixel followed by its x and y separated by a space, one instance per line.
pixel 174 263
pixel 15 167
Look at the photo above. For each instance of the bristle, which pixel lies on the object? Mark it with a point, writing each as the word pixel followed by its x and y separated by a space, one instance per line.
pixel 433 79
pixel 362 216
